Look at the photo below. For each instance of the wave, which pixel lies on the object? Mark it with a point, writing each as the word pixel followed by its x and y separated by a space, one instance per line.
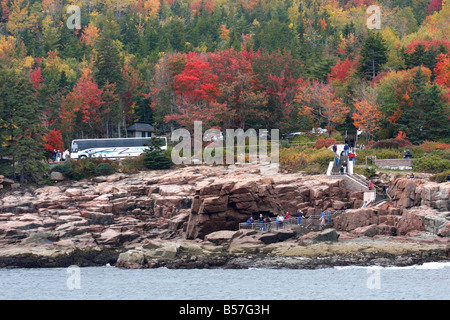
pixel 424 266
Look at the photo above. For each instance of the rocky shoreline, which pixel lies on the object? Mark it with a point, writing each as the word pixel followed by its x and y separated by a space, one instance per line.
pixel 189 254
pixel 188 218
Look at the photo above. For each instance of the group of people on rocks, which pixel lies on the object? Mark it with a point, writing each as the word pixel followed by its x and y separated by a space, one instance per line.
pixel 282 221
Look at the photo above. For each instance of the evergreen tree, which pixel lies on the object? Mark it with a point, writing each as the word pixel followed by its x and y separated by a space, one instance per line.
pixel 20 130
pixel 437 125
pixel 373 55
pixel 154 157
pixel 426 118
pixel 109 62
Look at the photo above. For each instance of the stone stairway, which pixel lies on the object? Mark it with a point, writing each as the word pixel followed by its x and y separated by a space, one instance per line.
pixel 336 169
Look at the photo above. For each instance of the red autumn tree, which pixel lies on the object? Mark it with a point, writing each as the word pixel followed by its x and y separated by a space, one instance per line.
pixel 5 11
pixel 239 87
pixel 442 72
pixel 53 141
pixel 282 91
pixel 434 6
pixel 341 71
pixel 80 108
pixel 36 78
pixel 208 5
pixel 196 88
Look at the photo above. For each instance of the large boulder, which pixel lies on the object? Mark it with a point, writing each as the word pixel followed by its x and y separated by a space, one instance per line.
pixel 356 218
pixel 221 237
pixel 131 259
pixel 406 193
pixel 56 176
pixel 328 235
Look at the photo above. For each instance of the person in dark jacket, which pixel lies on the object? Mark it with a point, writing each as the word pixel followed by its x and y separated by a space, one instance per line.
pixel 346 149
pixel 299 217
pixel 261 222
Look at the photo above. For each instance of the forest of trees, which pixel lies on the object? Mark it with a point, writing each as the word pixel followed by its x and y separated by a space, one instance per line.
pixel 286 64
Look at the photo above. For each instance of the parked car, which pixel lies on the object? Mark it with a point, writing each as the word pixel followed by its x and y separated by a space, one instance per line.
pixel 292 134
pixel 319 130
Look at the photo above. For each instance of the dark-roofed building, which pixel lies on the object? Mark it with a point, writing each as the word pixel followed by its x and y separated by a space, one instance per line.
pixel 139 130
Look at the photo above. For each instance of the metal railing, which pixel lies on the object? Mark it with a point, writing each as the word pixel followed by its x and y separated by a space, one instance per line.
pixel 310 222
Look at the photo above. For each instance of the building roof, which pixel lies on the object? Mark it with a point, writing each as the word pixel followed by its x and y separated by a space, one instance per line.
pixel 140 127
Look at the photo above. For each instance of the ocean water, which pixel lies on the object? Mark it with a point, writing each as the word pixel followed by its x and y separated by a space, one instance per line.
pixel 419 282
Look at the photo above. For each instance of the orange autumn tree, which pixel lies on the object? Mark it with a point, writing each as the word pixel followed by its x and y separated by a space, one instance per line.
pixel 367 117
pixel 89 35
pixel 318 101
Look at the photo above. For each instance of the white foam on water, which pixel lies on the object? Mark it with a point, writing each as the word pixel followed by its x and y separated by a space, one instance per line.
pixel 425 266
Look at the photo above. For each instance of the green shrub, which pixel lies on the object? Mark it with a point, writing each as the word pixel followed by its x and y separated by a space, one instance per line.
pixel 104 169
pixel 133 164
pixel 440 177
pixel 84 168
pixel 301 158
pixel 65 168
pixel 444 154
pixel 379 153
pixel 432 163
pixel 417 151
pixel 394 143
pixel 369 172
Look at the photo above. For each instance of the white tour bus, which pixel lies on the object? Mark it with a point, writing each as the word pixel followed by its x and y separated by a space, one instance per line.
pixel 111 148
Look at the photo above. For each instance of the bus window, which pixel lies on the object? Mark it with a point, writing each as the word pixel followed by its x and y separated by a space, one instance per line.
pixel 115 143
pixel 144 142
pixel 82 145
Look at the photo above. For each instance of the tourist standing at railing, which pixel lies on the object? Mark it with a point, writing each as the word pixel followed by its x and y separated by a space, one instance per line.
pixel 250 221
pixel 286 219
pixel 267 222
pixel 329 215
pixel 299 217
pixel 261 222
pixel 278 221
pixel 322 218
